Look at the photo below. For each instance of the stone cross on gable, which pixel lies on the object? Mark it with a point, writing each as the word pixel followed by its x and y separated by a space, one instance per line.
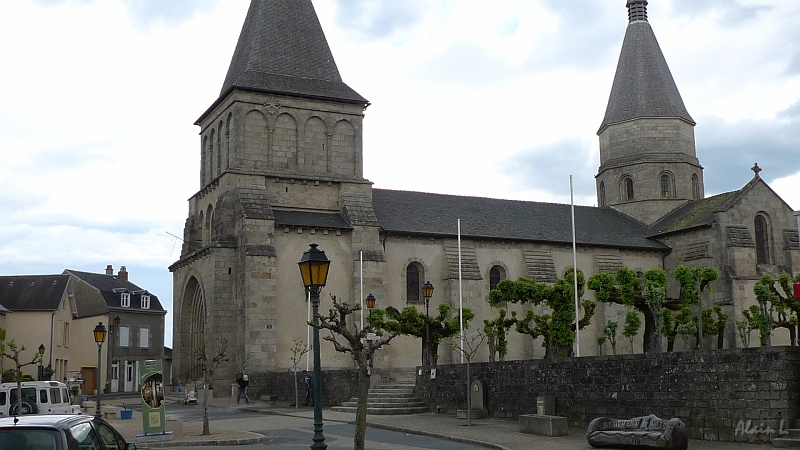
pixel 756 169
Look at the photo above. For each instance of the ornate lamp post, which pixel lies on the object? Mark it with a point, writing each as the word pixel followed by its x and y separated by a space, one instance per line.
pixel 370 301
pixel 41 355
pixel 99 338
pixel 427 293
pixel 314 270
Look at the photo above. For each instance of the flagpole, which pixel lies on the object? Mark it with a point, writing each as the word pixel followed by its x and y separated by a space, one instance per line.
pixel 308 330
pixel 575 272
pixel 460 296
pixel 361 272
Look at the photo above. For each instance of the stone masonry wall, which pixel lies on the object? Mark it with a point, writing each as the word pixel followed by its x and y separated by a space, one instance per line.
pixel 729 395
pixel 337 385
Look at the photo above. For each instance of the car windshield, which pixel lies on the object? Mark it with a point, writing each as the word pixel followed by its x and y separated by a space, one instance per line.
pixel 19 438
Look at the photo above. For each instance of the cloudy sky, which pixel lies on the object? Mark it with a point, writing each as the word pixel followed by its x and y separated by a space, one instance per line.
pixel 488 98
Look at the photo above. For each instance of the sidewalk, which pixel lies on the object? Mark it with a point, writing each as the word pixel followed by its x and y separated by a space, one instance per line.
pixel 491 433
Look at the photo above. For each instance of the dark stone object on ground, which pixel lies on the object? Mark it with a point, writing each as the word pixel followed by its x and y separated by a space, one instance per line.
pixel 639 432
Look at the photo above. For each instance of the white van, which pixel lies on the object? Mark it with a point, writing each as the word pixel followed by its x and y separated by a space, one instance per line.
pixel 38 397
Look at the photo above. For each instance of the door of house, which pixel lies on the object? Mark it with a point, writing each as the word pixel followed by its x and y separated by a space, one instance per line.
pixel 115 377
pixel 89 385
pixel 129 376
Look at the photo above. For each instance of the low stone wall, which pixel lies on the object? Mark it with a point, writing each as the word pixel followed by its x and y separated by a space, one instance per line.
pixel 337 385
pixel 731 395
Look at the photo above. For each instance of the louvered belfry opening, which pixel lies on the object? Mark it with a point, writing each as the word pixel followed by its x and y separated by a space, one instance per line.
pixel 637 11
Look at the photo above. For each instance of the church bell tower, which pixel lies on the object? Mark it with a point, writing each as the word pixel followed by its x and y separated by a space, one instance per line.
pixel 648 163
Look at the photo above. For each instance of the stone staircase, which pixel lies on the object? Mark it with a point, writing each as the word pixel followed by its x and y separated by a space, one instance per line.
pixel 792 440
pixel 388 399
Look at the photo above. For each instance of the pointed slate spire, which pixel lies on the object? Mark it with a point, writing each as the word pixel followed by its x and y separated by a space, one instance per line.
pixel 282 49
pixel 643 84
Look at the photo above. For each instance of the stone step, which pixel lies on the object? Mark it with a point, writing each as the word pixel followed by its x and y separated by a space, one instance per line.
pixel 794 432
pixel 410 404
pixel 384 411
pixel 382 394
pixel 394 400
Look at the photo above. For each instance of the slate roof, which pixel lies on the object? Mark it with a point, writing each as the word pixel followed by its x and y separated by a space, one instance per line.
pixel 312 219
pixel 437 215
pixel 643 84
pixel 32 292
pixel 106 284
pixel 282 49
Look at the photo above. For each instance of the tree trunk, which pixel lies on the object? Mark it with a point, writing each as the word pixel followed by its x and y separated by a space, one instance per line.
pixel 469 397
pixel 648 337
pixel 296 394
pixel 361 407
pixel 206 428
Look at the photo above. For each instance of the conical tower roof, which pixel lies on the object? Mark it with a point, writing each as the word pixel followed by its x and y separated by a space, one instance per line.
pixel 282 49
pixel 643 85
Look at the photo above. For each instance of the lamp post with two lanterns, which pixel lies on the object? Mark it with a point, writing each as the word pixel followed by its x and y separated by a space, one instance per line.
pixel 41 369
pixel 99 338
pixel 314 270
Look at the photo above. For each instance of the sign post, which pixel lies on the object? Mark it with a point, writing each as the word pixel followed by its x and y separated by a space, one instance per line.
pixel 152 390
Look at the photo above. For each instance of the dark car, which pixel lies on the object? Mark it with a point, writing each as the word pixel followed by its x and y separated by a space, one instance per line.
pixel 59 432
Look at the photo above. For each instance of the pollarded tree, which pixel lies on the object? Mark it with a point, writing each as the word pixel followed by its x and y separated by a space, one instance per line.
pixel 496 331
pixel 558 327
pixel 347 338
pixel 625 288
pixel 781 303
pixel 632 325
pixel 444 325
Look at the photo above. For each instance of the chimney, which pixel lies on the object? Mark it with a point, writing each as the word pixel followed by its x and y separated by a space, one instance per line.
pixel 109 270
pixel 123 273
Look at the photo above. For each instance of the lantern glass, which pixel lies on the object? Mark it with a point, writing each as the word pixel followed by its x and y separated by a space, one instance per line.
pixel 117 321
pixel 427 290
pixel 314 267
pixel 370 301
pixel 41 349
pixel 100 333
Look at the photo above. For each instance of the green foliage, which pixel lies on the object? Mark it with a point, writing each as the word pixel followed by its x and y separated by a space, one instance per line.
pixel 632 325
pixel 558 327
pixel 411 322
pixel 743 331
pixel 678 320
pixel 778 308
pixel 610 331
pixel 496 331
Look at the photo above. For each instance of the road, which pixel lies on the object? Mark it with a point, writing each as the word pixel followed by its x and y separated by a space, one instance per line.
pixel 288 432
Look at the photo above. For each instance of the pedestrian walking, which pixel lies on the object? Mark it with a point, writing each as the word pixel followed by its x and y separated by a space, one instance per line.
pixel 309 388
pixel 243 383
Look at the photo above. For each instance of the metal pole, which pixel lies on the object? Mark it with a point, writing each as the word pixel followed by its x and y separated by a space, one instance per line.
pixel 97 414
pixel 427 353
pixel 319 438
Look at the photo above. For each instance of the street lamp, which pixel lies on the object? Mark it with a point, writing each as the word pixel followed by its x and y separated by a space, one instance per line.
pixel 370 301
pixel 41 355
pixel 314 270
pixel 427 293
pixel 99 338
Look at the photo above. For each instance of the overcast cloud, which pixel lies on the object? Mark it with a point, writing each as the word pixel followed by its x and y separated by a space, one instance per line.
pixel 499 99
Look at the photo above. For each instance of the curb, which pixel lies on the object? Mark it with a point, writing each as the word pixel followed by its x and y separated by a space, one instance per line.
pixel 255 439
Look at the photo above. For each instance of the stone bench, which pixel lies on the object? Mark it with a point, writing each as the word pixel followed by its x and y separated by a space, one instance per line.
pixel 108 411
pixel 639 432
pixel 272 400
pixel 543 425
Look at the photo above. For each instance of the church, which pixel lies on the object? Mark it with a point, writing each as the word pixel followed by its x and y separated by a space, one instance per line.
pixel 282 167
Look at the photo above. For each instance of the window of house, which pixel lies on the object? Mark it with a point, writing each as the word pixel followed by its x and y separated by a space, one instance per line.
pixel 627 188
pixel 145 302
pixel 414 275
pixel 124 336
pixel 125 300
pixel 762 240
pixel 65 335
pixel 496 274
pixel 144 337
pixel 695 187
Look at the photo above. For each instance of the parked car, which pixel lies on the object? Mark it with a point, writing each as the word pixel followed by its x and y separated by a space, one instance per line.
pixel 38 397
pixel 60 432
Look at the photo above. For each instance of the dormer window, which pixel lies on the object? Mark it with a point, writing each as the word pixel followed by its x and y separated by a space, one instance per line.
pixel 125 300
pixel 145 302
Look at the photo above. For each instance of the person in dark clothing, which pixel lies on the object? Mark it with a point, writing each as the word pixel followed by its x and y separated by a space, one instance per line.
pixel 243 382
pixel 309 388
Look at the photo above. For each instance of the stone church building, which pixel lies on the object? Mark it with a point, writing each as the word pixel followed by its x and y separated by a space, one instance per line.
pixel 282 167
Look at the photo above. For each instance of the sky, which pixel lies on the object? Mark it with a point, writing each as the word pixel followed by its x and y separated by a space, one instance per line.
pixel 502 99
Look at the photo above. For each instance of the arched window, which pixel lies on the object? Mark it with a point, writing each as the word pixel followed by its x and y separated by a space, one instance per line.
pixel 762 240
pixel 695 187
pixel 627 188
pixel 414 275
pixel 496 274
pixel 601 195
pixel 667 186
